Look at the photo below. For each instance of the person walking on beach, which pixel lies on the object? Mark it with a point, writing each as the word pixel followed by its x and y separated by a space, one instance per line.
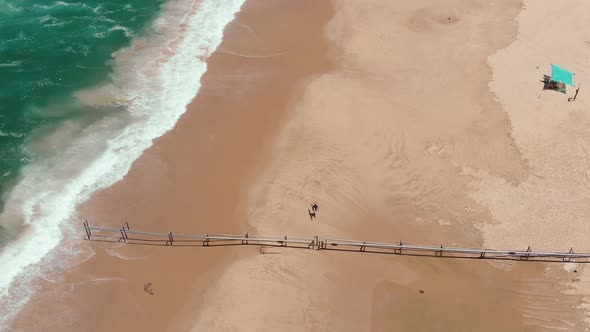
pixel 314 207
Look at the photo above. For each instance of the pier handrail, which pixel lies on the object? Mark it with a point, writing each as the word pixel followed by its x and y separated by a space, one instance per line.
pixel 323 243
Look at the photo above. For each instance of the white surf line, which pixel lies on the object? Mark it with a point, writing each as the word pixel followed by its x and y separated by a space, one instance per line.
pixel 250 55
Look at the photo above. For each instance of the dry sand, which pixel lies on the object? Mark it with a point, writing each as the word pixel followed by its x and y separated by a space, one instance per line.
pixel 550 207
pixel 381 144
pixel 396 135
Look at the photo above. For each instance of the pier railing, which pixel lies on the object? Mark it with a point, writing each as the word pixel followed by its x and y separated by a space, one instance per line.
pixel 127 235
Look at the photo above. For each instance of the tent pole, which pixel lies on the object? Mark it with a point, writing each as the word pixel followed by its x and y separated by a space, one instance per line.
pixel 574 98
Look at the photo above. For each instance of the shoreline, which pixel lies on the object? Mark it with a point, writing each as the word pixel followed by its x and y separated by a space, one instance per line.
pixel 193 177
pixel 81 156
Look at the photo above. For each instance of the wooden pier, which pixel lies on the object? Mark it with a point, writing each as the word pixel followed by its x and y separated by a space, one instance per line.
pixel 127 235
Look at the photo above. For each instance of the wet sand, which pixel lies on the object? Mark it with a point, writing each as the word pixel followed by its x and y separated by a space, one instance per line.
pixel 386 125
pixel 193 180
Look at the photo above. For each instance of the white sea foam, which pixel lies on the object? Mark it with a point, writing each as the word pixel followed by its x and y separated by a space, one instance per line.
pixel 128 32
pixel 44 82
pixel 157 76
pixel 55 23
pixel 14 8
pixel 13 134
pixel 97 9
pixel 45 18
pixel 58 4
pixel 66 4
pixel 105 19
pixel 50 21
pixel 11 64
pixel 99 35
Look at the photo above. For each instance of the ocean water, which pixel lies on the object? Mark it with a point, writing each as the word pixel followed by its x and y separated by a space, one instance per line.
pixel 85 87
pixel 48 50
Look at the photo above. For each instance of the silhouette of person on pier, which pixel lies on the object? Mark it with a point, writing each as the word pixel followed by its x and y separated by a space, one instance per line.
pixel 311 214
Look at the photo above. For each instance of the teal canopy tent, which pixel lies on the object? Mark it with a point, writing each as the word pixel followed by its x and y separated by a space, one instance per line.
pixel 561 75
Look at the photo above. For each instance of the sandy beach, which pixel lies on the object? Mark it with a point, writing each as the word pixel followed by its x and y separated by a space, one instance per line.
pixel 549 207
pixel 381 144
pixel 412 121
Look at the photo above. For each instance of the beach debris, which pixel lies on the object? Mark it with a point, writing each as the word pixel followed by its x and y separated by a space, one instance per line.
pixel 421 291
pixel 148 288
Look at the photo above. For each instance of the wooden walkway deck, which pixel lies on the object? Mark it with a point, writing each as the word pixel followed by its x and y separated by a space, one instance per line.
pixel 127 235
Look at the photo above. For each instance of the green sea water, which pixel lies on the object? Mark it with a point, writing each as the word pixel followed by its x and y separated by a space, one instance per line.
pixel 48 51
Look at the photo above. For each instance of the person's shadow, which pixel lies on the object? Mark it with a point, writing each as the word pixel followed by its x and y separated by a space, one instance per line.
pixel 311 214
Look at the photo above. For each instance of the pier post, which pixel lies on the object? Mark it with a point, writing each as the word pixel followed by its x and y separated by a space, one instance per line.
pixel 206 242
pixel 439 253
pixel 566 258
pixel 87 229
pixel 577 90
pixel 526 256
pixel 398 251
pixel 482 254
pixel 170 239
pixel 245 241
pixel 123 236
pixel 364 247
pixel 285 243
pixel 313 242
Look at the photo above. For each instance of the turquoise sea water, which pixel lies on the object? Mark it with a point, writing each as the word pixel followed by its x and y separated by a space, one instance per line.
pixel 48 51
